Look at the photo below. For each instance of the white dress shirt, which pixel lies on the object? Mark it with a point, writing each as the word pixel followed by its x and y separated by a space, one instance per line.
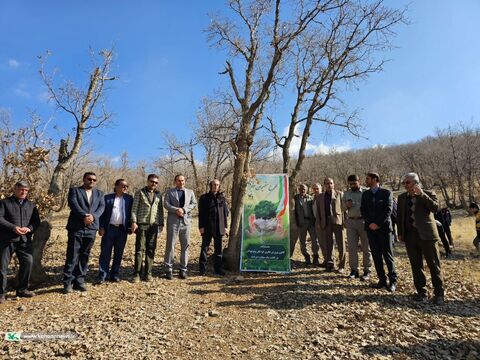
pixel 117 211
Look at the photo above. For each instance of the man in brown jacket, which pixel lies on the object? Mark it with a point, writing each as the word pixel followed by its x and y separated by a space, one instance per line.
pixel 331 220
pixel 417 228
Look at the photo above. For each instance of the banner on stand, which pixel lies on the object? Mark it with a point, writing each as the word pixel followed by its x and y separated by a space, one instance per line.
pixel 266 225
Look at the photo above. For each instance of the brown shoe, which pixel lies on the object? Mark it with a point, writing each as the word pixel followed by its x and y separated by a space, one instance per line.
pixel 2 299
pixel 25 294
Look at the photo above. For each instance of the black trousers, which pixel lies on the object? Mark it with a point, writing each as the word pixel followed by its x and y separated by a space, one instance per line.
pixel 448 232
pixel 24 252
pixel 443 238
pixel 381 247
pixel 217 248
pixel 417 250
pixel 79 244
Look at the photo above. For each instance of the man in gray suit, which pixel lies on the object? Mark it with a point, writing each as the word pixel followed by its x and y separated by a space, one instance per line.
pixel 179 203
pixel 305 222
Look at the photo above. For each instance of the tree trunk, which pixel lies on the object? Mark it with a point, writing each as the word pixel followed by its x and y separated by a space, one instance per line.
pixel 240 178
pixel 40 238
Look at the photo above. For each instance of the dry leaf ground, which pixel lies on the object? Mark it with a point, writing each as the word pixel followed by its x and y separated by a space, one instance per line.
pixel 308 314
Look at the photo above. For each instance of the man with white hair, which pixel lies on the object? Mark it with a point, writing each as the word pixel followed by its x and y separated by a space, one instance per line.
pixel 305 221
pixel 417 228
pixel 19 218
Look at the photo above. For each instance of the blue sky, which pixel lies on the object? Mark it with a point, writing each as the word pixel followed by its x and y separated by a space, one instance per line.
pixel 165 66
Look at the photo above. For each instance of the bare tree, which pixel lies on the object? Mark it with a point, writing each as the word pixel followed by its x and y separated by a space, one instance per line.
pixel 327 59
pixel 86 108
pixel 258 42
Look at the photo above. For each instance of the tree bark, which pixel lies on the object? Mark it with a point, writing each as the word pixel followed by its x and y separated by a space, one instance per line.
pixel 40 238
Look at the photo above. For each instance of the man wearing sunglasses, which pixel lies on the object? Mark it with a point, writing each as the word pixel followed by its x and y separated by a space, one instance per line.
pixel 86 206
pixel 115 223
pixel 147 223
pixel 417 228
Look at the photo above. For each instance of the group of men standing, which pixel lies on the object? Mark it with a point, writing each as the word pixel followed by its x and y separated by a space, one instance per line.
pixel 114 216
pixel 365 213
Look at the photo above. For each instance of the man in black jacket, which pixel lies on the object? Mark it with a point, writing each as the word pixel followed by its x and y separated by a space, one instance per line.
pixel 19 218
pixel 212 222
pixel 86 206
pixel 376 209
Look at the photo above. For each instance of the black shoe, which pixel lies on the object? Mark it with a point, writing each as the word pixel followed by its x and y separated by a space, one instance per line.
pixel 308 262
pixel 323 265
pixel 392 287
pixel 67 289
pixel 220 272
pixel 379 285
pixel 80 287
pixel 168 275
pixel 202 272
pixel 315 261
pixel 365 276
pixel 419 297
pixel 354 274
pixel 438 300
pixel 25 294
pixel 99 282
pixel 329 268
pixel 115 279
pixel 183 274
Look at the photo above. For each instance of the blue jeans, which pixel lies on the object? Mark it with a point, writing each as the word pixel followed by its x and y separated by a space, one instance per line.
pixel 115 238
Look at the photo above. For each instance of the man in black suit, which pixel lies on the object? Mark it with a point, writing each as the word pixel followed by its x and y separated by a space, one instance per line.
pixel 86 204
pixel 19 219
pixel 115 223
pixel 376 208
pixel 212 222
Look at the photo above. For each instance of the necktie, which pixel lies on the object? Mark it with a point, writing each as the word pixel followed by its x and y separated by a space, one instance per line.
pixel 411 211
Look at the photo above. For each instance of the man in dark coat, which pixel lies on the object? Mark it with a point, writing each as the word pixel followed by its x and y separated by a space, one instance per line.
pixel 212 222
pixel 115 224
pixel 19 219
pixel 376 209
pixel 86 206
pixel 417 228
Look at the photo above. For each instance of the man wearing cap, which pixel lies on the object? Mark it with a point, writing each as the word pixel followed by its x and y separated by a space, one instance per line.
pixel 86 206
pixel 19 219
pixel 376 208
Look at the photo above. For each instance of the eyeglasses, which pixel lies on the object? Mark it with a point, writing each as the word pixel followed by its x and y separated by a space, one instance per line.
pixel 91 179
pixel 153 182
pixel 125 186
